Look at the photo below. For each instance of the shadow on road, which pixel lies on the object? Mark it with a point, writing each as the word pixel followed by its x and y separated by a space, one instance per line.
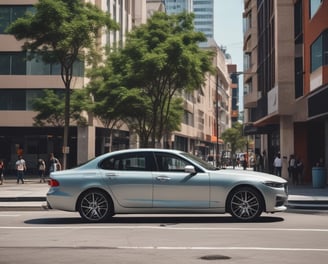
pixel 162 220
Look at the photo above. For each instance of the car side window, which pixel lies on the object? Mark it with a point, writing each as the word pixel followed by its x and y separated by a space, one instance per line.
pixel 126 162
pixel 172 163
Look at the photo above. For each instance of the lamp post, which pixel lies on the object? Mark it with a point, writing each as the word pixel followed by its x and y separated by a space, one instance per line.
pixel 217 121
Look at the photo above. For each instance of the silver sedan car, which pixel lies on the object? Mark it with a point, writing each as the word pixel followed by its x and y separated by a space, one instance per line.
pixel 151 181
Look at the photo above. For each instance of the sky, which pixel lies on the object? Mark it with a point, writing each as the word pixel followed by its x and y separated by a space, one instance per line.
pixel 228 32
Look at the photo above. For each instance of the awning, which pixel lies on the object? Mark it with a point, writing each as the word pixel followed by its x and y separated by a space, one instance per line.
pixel 214 140
pixel 251 129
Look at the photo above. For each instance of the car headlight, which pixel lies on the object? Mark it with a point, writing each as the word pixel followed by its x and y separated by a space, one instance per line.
pixel 274 184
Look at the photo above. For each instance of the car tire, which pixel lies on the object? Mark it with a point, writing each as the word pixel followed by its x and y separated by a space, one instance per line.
pixel 95 206
pixel 245 204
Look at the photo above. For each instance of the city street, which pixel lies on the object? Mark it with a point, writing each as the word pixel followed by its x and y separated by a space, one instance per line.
pixel 60 237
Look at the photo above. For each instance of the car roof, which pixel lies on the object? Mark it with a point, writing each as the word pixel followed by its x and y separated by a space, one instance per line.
pixel 145 150
pixel 124 151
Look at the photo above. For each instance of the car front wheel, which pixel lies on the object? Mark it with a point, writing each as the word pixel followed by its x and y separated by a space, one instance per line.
pixel 245 204
pixel 95 206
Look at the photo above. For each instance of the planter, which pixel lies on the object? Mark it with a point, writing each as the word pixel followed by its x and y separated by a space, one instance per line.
pixel 319 177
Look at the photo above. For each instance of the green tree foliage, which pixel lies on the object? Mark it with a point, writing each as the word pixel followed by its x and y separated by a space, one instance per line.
pixel 110 99
pixel 50 107
pixel 159 61
pixel 235 137
pixel 61 31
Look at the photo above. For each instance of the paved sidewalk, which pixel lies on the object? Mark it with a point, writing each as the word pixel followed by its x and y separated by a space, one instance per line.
pixel 28 196
pixel 32 196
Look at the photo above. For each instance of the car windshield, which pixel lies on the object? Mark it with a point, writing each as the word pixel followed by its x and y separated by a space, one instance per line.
pixel 199 161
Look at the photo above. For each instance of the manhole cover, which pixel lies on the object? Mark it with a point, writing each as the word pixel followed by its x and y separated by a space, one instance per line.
pixel 214 257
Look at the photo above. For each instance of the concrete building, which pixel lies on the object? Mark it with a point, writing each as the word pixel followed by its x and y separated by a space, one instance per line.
pixel 22 80
pixel 203 10
pixel 286 79
pixel 207 111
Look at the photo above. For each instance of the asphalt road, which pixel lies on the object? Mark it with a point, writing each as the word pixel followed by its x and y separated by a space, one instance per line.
pixel 61 237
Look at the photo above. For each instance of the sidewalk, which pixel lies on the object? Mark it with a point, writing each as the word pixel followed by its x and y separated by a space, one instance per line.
pixel 29 196
pixel 32 196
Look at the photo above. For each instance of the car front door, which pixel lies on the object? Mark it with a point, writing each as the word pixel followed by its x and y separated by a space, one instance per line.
pixel 129 178
pixel 175 188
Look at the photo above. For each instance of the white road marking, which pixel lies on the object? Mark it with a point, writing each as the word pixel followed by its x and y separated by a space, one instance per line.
pixel 9 215
pixel 168 228
pixel 226 248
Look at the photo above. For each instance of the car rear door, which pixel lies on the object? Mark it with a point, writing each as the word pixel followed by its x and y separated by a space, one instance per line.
pixel 129 179
pixel 175 188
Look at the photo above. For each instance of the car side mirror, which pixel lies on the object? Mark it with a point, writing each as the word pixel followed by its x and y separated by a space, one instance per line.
pixel 190 169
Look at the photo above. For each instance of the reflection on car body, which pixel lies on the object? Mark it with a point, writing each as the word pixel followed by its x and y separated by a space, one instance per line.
pixel 162 181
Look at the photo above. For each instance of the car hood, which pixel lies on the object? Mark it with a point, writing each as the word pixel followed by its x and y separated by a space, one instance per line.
pixel 248 175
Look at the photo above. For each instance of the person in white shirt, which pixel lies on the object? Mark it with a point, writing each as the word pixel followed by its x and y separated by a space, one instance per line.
pixel 20 168
pixel 277 164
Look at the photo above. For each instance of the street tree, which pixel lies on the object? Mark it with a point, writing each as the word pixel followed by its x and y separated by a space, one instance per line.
pixel 62 31
pixel 161 59
pixel 109 98
pixel 51 108
pixel 234 136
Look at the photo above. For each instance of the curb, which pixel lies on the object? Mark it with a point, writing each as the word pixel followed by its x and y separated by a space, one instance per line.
pixel 32 206
pixel 40 204
pixel 23 199
pixel 308 205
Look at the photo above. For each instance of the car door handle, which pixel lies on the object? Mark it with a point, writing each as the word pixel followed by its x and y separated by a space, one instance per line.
pixel 110 174
pixel 163 178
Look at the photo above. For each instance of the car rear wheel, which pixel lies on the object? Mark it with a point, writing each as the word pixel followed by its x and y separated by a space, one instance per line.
pixel 245 204
pixel 95 206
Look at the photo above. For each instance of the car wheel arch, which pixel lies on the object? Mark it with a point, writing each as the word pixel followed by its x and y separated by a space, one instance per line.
pixel 235 188
pixel 108 196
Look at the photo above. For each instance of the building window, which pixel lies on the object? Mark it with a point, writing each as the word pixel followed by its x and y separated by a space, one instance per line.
pixel 298 77
pixel 298 28
pixel 9 14
pixel 314 6
pixel 15 63
pixel 188 118
pixel 20 99
pixel 319 51
pixel 12 100
pixel 247 61
pixel 247 22
pixel 12 63
pixel 248 87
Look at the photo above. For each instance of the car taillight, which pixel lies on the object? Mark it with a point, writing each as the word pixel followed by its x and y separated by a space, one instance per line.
pixel 53 183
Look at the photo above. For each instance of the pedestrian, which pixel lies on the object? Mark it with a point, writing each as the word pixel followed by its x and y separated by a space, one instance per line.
pixel 258 160
pixel 42 169
pixel 20 169
pixel 54 163
pixel 292 169
pixel 277 164
pixel 2 168
pixel 252 162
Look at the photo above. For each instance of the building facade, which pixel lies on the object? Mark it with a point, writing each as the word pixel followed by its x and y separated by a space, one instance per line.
pixel 203 10
pixel 285 79
pixel 23 80
pixel 207 110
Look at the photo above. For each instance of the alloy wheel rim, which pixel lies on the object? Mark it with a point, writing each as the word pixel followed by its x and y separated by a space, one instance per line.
pixel 245 205
pixel 94 206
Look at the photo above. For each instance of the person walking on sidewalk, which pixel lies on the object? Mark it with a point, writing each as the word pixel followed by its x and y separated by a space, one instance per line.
pixel 21 168
pixel 42 170
pixel 54 163
pixel 2 168
pixel 277 164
